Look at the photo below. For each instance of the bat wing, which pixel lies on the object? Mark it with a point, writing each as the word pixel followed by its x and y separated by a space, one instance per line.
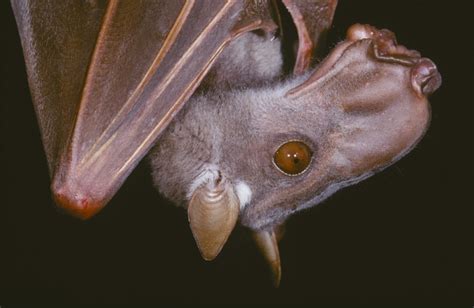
pixel 107 78
pixel 312 19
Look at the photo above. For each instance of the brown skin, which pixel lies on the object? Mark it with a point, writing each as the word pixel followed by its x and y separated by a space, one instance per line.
pixel 107 78
pixel 358 112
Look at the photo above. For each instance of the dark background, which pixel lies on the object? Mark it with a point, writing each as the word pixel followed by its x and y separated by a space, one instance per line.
pixel 402 236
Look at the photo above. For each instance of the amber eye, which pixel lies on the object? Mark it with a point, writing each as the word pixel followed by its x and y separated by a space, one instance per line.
pixel 293 157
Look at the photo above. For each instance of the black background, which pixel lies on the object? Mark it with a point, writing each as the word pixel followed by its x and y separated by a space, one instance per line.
pixel 402 236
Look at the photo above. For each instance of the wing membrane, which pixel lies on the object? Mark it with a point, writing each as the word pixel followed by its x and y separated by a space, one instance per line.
pixel 107 78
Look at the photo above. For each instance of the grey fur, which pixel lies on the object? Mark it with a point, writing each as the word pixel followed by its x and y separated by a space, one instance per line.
pixel 353 118
pixel 251 60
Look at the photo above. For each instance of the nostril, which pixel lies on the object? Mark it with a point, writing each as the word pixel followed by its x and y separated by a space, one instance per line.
pixel 425 77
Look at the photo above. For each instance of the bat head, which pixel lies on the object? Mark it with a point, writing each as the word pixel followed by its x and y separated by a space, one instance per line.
pixel 362 109
pixel 259 155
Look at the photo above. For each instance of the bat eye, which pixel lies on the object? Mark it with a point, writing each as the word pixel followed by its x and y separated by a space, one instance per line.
pixel 292 158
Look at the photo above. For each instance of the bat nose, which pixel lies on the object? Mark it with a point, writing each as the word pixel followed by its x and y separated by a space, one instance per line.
pixel 425 77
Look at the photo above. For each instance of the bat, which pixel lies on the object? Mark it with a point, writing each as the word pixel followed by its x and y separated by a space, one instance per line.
pixel 259 152
pixel 107 78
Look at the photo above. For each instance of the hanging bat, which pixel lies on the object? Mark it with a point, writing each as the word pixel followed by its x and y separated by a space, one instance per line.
pixel 258 154
pixel 108 78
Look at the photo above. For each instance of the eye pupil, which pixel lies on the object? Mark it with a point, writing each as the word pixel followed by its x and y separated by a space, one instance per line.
pixel 293 157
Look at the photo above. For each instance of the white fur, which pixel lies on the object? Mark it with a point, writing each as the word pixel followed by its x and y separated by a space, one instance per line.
pixel 244 193
pixel 209 175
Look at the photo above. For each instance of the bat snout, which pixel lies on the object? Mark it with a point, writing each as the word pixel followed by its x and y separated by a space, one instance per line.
pixel 382 89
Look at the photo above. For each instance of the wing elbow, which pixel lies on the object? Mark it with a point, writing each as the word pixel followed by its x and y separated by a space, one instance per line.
pixel 74 201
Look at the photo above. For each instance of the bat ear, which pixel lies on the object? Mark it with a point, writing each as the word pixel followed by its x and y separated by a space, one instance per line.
pixel 212 214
